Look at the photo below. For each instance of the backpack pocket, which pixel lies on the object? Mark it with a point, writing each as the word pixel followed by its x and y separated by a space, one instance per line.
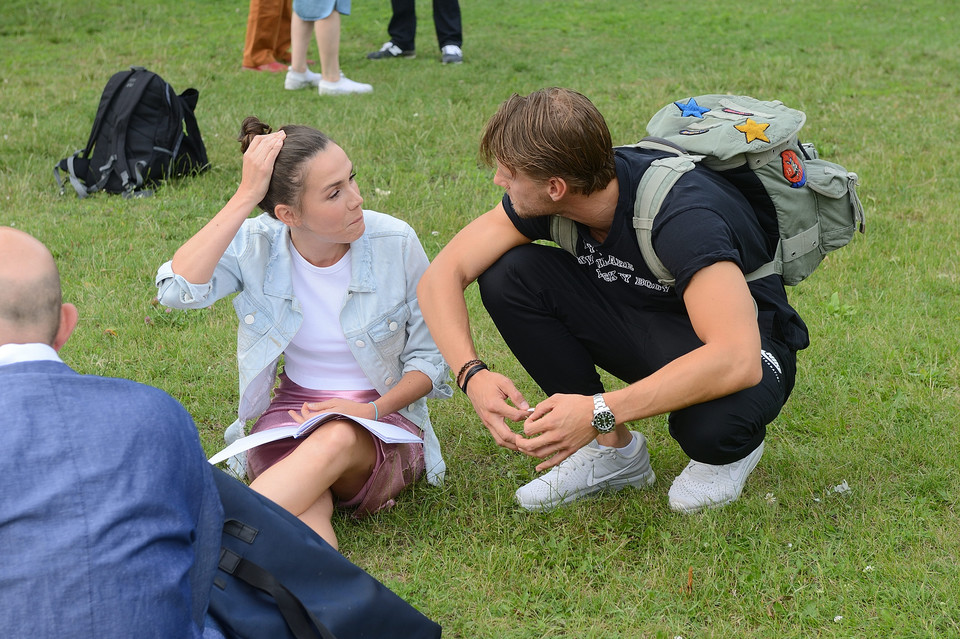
pixel 839 210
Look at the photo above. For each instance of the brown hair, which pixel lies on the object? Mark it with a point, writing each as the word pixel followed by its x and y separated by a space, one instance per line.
pixel 552 132
pixel 301 144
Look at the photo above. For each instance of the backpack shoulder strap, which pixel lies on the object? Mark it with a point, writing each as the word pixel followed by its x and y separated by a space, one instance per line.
pixel 127 102
pixel 654 186
pixel 107 98
pixel 301 622
pixel 774 266
pixel 563 231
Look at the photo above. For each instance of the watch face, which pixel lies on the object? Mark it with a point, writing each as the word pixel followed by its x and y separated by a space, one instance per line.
pixel 604 421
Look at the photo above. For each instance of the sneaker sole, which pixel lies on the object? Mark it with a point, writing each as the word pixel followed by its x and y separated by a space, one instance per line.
pixel 683 509
pixel 643 481
pixel 344 92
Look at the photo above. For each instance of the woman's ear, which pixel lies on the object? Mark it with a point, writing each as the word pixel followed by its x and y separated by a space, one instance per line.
pixel 286 214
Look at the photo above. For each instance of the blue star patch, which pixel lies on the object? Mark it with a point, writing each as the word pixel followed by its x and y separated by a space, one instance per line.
pixel 691 108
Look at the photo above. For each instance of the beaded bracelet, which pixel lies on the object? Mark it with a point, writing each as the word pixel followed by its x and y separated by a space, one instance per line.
pixel 376 411
pixel 465 367
pixel 470 373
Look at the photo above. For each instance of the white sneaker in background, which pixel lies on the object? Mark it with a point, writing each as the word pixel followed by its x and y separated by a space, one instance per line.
pixel 296 80
pixel 391 51
pixel 343 86
pixel 451 54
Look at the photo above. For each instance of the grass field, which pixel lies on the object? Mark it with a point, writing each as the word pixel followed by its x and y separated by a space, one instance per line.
pixel 876 406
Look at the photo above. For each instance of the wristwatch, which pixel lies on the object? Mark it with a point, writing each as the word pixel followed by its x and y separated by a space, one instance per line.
pixel 603 419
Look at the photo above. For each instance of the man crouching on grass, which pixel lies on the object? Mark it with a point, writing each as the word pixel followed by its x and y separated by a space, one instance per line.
pixel 715 352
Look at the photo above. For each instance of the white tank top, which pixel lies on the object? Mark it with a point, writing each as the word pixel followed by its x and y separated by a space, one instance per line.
pixel 318 356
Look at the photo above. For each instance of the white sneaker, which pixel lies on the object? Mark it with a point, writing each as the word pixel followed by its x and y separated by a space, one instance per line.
pixel 343 86
pixel 706 486
pixel 451 54
pixel 296 80
pixel 587 471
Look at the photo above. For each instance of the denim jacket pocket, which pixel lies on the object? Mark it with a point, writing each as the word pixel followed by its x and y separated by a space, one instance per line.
pixel 389 332
pixel 255 322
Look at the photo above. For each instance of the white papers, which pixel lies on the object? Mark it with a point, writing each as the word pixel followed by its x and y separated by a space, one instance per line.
pixel 387 433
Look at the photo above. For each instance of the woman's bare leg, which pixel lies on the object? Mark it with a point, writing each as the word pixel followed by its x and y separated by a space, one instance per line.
pixel 299 41
pixel 336 458
pixel 327 32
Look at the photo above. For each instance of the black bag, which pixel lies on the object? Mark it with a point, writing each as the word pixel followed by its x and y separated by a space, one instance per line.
pixel 143 133
pixel 277 578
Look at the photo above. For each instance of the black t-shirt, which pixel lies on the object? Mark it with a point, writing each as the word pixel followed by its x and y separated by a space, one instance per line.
pixel 703 220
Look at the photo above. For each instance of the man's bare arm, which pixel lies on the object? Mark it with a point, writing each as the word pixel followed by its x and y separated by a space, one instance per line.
pixel 441 297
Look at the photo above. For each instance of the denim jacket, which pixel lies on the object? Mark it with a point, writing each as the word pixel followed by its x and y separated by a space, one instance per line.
pixel 380 316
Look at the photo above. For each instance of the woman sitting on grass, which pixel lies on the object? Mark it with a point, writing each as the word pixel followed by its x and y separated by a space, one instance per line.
pixel 332 288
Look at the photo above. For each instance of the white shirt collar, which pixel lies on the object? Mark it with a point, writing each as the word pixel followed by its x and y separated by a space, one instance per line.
pixel 16 353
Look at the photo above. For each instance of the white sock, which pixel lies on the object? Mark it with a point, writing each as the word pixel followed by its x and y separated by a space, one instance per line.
pixel 627 450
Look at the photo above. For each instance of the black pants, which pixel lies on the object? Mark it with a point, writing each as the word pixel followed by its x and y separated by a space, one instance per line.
pixel 559 325
pixel 446 20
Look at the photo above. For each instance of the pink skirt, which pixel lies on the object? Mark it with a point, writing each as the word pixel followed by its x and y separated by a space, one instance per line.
pixel 397 465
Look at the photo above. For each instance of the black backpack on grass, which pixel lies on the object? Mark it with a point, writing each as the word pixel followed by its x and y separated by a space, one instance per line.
pixel 143 133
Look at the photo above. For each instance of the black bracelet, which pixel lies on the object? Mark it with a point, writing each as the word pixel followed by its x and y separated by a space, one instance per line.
pixel 470 373
pixel 465 367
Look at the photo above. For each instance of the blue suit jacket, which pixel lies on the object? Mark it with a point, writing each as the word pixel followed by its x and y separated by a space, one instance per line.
pixel 109 519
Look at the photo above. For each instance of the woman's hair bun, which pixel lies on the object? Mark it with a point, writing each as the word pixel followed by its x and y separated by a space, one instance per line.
pixel 251 128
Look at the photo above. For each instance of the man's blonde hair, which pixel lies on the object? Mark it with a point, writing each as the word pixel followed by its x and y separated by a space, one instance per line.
pixel 552 132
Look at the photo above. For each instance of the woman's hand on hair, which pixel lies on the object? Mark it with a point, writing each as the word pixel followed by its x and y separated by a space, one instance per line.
pixel 258 163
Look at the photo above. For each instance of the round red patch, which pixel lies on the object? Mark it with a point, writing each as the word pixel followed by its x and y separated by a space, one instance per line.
pixel 793 169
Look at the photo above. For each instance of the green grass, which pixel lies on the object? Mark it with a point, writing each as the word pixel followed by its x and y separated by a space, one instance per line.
pixel 876 402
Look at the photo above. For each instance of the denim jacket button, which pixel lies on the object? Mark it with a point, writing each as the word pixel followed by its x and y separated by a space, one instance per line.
pixel 392 326
pixel 249 319
pixel 360 343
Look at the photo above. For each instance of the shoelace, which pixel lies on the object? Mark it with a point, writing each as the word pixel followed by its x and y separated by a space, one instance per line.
pixel 580 459
pixel 701 471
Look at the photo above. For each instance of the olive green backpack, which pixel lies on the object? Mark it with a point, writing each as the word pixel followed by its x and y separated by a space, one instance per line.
pixel 808 206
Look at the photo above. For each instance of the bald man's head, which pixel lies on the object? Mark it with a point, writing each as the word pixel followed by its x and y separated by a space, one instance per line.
pixel 30 302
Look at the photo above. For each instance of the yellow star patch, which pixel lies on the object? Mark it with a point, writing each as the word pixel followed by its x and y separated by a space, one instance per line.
pixel 753 130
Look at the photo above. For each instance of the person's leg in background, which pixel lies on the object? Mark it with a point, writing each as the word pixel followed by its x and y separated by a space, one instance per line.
pixel 264 24
pixel 281 50
pixel 323 18
pixel 402 30
pixel 449 28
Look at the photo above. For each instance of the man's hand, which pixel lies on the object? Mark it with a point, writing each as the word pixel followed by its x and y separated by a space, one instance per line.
pixel 488 392
pixel 560 426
